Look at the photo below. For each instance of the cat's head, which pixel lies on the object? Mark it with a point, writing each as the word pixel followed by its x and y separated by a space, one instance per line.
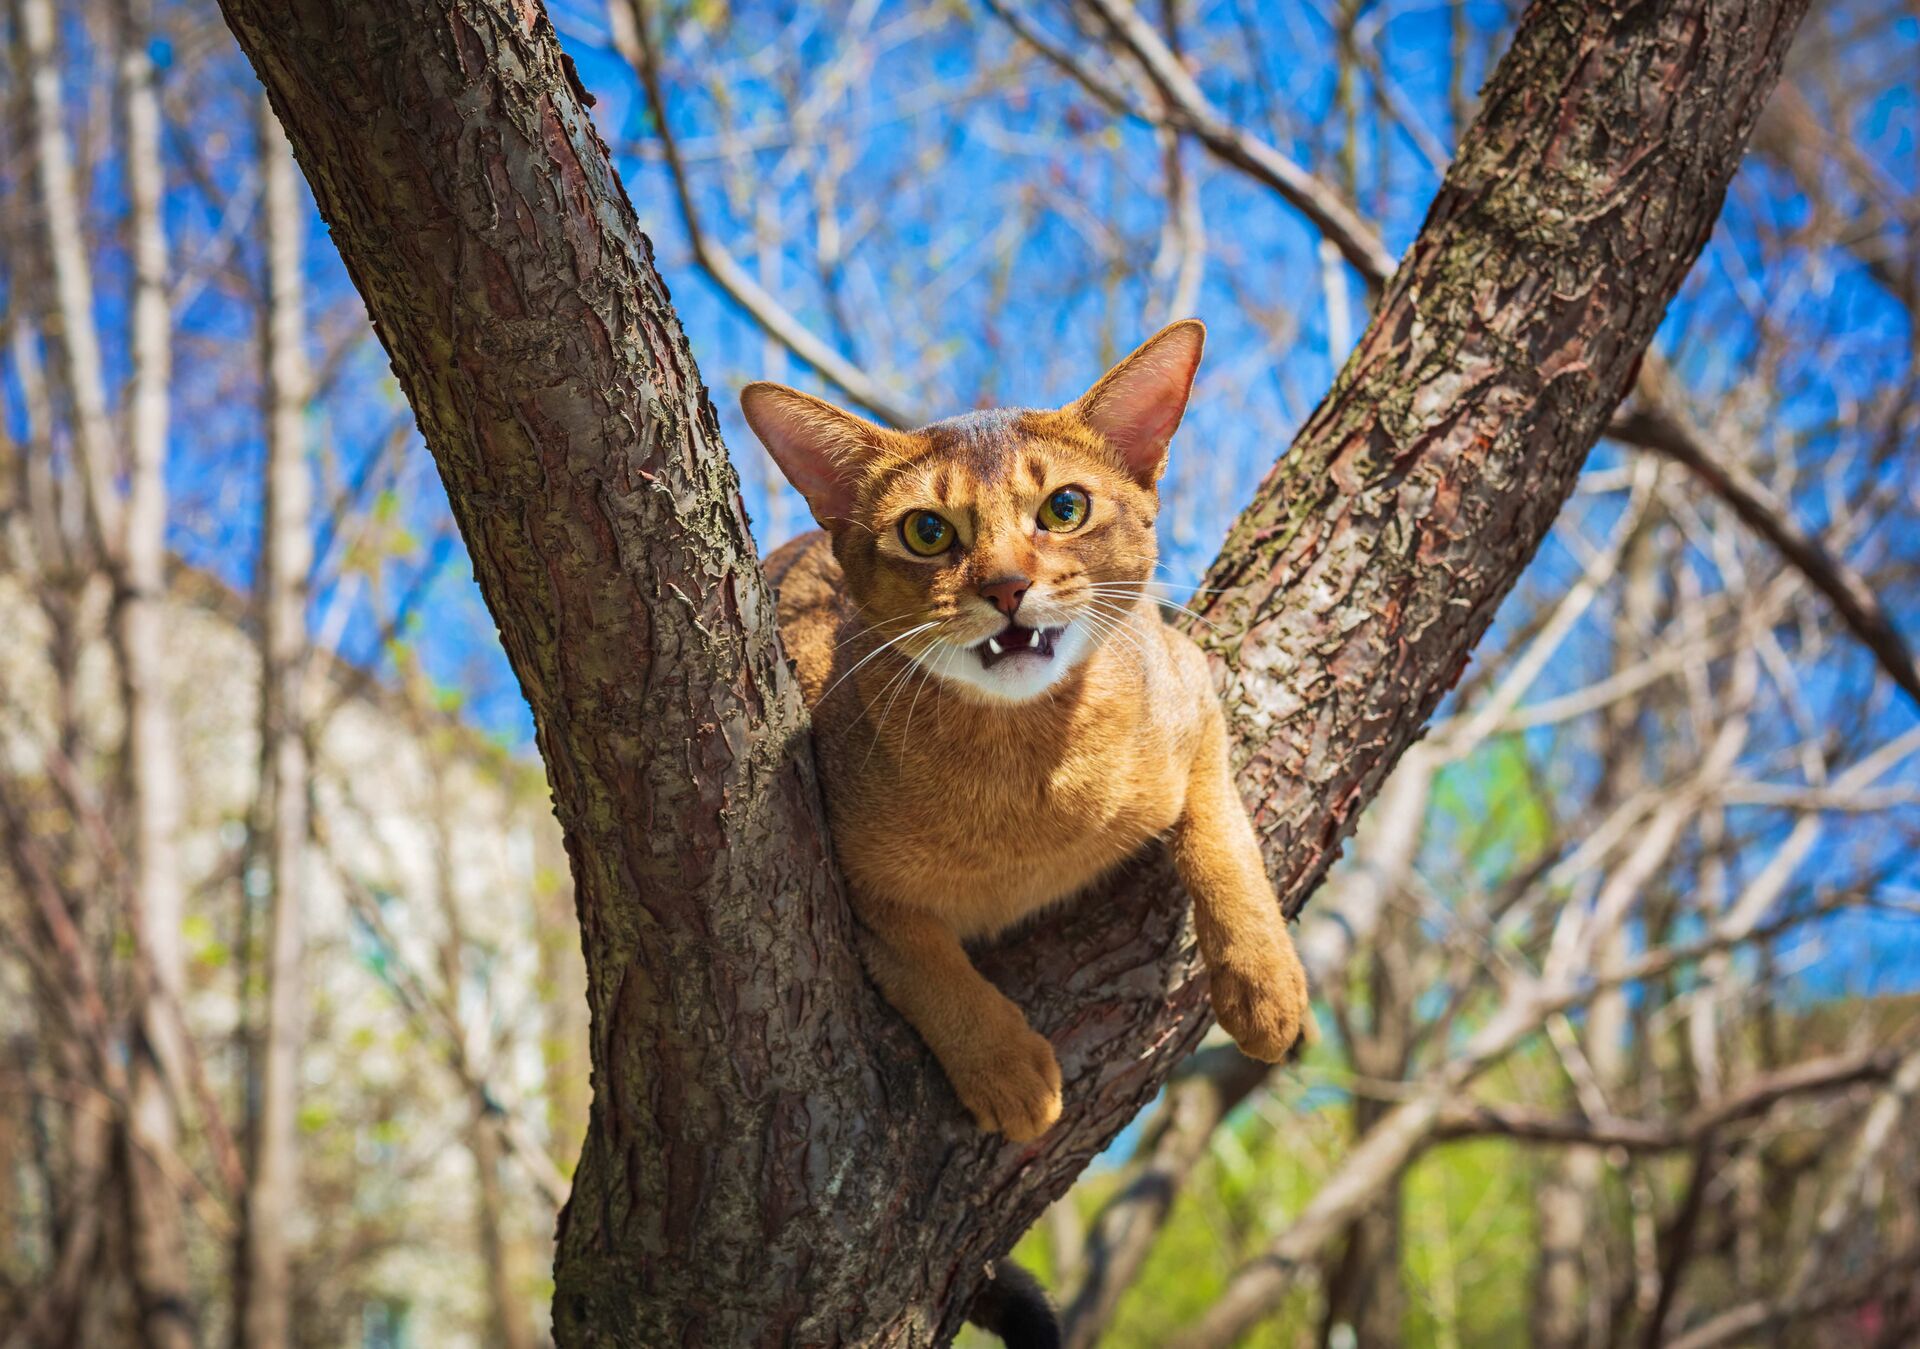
pixel 999 549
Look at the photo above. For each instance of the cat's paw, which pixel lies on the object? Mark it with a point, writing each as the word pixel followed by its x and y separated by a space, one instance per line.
pixel 1015 1090
pixel 1262 1002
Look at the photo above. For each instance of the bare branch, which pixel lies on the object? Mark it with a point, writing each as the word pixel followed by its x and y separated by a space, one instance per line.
pixel 1654 424
pixel 632 26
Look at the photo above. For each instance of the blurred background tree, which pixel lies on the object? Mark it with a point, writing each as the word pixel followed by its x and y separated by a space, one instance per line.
pixel 289 983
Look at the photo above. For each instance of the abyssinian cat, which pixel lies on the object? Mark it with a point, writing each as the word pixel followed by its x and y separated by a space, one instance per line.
pixel 1000 715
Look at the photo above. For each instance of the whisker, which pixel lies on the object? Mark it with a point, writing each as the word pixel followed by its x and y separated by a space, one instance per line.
pixel 1117 616
pixel 880 722
pixel 1160 600
pixel 1154 561
pixel 1118 643
pixel 1153 587
pixel 1108 627
pixel 926 674
pixel 872 628
pixel 899 685
pixel 892 642
pixel 1175 585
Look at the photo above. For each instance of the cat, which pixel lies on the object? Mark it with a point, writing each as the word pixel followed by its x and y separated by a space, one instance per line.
pixel 1000 715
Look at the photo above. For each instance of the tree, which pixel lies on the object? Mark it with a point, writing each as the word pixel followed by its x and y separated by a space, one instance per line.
pixel 126 527
pixel 770 1156
pixel 264 1282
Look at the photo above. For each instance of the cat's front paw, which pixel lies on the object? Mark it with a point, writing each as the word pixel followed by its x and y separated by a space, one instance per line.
pixel 1015 1090
pixel 1262 1001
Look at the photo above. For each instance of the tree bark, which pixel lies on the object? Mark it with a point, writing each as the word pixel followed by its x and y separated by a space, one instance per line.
pixel 772 1158
pixel 265 1284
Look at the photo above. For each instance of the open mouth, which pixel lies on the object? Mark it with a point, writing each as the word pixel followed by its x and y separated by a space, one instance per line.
pixel 1015 640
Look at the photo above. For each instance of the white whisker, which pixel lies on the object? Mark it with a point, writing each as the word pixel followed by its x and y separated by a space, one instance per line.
pixel 891 642
pixel 926 673
pixel 1108 625
pixel 1113 590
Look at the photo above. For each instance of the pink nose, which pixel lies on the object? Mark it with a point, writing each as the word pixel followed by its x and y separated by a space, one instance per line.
pixel 1005 593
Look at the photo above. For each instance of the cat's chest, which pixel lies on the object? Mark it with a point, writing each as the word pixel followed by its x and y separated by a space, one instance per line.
pixel 988 827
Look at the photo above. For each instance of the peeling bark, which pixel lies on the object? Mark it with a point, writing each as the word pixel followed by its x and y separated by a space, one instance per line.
pixel 772 1158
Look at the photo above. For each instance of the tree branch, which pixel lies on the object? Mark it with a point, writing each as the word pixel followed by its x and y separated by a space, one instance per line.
pixel 765 1137
pixel 633 38
pixel 1525 1124
pixel 1187 109
pixel 1652 424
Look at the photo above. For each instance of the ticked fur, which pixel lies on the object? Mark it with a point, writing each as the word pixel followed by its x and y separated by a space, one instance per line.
pixel 968 790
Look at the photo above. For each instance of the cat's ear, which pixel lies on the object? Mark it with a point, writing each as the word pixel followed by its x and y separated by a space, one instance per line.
pixel 819 447
pixel 1138 404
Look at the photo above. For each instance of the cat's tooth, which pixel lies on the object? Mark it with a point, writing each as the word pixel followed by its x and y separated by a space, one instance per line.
pixel 993 645
pixel 1034 640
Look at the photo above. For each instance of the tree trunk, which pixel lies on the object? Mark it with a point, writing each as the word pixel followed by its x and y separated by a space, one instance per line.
pixel 129 535
pixel 70 318
pixel 154 780
pixel 264 1285
pixel 509 1326
pixel 772 1158
pixel 1364 1293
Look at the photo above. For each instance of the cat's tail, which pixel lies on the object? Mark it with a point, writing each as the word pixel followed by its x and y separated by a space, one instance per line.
pixel 1015 1307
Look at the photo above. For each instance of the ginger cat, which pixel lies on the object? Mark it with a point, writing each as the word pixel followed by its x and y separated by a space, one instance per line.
pixel 1000 715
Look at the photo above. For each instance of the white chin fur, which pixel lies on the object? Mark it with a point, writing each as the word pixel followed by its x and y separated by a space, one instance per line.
pixel 1013 680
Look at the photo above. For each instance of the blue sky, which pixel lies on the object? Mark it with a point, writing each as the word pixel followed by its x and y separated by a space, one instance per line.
pixel 1003 243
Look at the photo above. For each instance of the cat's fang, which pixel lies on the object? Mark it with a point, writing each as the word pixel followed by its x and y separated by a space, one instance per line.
pixel 1018 640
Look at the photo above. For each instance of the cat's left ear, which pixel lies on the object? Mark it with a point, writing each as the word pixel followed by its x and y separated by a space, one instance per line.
pixel 1138 404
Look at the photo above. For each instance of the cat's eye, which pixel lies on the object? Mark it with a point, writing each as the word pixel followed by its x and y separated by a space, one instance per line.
pixel 1064 511
pixel 926 534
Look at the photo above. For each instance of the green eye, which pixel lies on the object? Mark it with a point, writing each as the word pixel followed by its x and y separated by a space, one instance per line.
pixel 926 534
pixel 1065 511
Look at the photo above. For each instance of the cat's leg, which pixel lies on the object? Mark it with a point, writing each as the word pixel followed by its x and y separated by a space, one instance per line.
pixel 1003 1072
pixel 1256 981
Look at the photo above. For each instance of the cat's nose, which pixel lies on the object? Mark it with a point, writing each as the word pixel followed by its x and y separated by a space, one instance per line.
pixel 1005 593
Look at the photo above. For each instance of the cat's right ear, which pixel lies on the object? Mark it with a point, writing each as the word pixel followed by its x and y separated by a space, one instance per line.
pixel 819 447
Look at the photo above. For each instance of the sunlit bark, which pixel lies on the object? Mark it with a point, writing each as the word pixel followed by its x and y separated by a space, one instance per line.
pixel 772 1157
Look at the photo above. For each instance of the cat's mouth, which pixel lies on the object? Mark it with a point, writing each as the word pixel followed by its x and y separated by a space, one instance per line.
pixel 1017 641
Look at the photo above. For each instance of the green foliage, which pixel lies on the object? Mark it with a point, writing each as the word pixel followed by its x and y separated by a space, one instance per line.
pixel 1494 806
pixel 1467 1245
pixel 204 943
pixel 1466 1236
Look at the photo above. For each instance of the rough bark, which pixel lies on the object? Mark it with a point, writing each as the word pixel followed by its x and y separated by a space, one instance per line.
pixel 265 1284
pixel 772 1158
